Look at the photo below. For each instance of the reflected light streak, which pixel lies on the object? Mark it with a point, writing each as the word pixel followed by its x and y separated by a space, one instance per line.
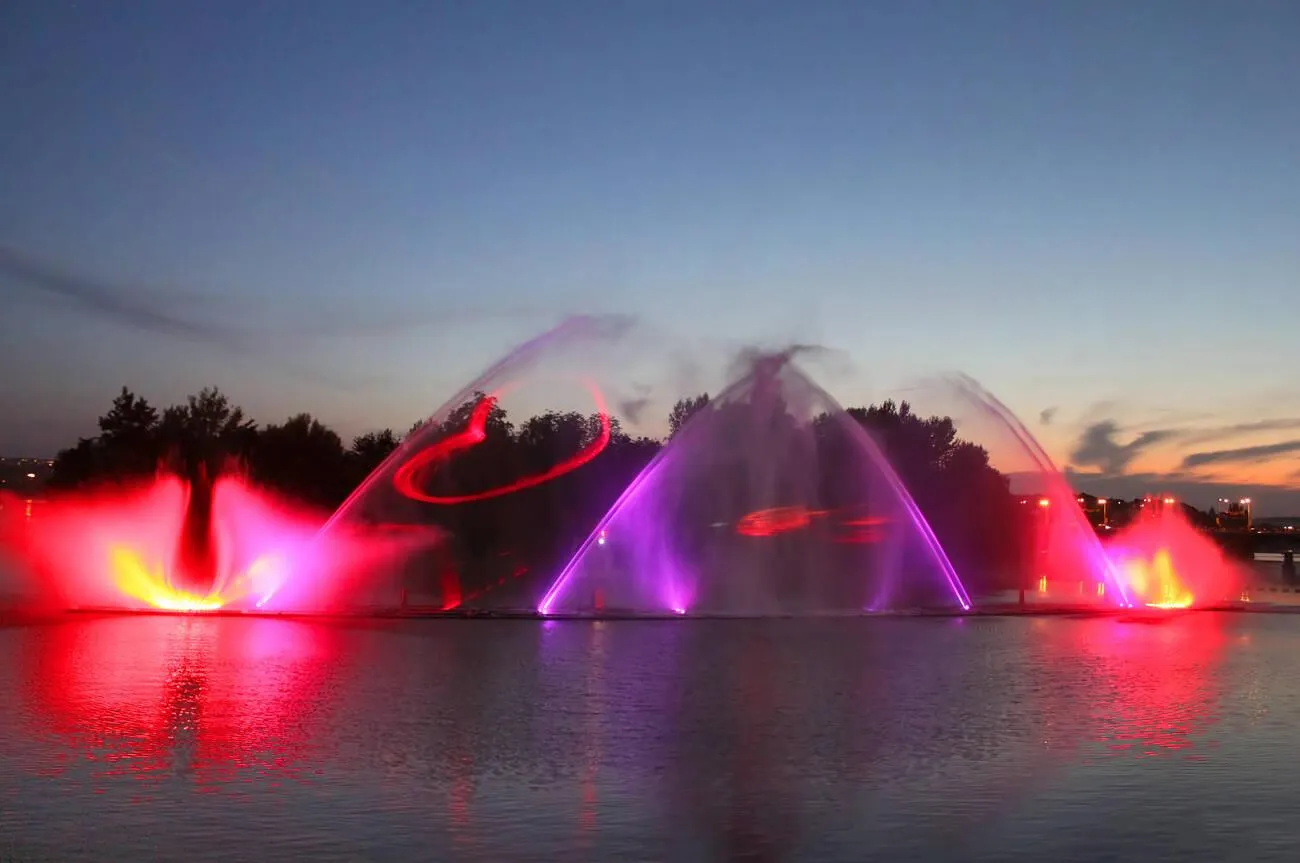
pixel 1157 685
pixel 195 700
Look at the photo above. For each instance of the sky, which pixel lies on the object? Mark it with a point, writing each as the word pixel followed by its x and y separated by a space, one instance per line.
pixel 352 208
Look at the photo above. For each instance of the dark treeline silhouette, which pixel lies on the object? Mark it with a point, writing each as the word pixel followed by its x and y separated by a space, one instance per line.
pixel 208 435
pixel 967 501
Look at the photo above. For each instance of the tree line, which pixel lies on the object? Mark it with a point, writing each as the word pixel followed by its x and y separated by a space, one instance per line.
pixel 967 501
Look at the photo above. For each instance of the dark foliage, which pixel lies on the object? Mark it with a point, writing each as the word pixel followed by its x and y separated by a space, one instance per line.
pixel 967 501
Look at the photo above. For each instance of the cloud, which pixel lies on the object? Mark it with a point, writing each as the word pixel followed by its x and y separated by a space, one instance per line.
pixel 147 310
pixel 1249 453
pixel 632 407
pixel 141 307
pixel 1097 447
pixel 1046 415
pixel 112 301
pixel 1240 429
pixel 325 323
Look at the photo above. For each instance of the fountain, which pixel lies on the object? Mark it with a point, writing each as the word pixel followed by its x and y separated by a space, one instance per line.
pixel 502 494
pixel 150 547
pixel 770 500
pixel 1060 561
pixel 1168 564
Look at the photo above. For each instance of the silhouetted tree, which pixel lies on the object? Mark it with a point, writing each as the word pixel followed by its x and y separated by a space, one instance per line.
pixel 304 457
pixel 127 446
pixel 684 410
pixel 78 464
pixel 372 448
pixel 368 452
pixel 206 432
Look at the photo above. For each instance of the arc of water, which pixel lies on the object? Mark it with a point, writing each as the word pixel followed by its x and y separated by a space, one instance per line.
pixel 560 585
pixel 590 325
pixel 919 521
pixel 1045 463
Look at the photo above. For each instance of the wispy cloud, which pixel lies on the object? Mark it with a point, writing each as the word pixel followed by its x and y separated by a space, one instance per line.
pixel 122 303
pixel 1242 454
pixel 1197 437
pixel 1098 448
pixel 631 407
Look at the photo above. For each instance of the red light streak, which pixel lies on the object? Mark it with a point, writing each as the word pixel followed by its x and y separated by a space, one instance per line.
pixel 784 519
pixel 777 520
pixel 408 478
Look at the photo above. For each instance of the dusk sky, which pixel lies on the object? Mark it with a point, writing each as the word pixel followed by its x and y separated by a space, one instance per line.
pixel 351 208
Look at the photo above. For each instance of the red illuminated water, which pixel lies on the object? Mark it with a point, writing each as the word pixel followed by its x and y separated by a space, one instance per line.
pixel 1166 563
pixel 151 547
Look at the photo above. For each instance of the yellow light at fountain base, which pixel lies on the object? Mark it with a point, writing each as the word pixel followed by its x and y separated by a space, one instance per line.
pixel 135 579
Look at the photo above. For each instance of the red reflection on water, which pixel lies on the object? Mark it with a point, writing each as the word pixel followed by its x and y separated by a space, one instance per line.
pixel 206 699
pixel 1156 685
pixel 460 802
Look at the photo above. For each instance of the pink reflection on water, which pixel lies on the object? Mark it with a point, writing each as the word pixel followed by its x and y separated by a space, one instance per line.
pixel 207 700
pixel 1156 685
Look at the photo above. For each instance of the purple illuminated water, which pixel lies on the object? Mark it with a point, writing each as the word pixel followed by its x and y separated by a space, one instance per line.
pixel 771 500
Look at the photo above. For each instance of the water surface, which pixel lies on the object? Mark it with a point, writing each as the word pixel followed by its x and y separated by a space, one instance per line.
pixel 191 738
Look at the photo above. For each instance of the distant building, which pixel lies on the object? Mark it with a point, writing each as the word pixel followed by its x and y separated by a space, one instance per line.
pixel 25 477
pixel 1233 514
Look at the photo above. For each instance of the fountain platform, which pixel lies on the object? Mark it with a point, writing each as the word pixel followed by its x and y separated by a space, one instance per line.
pixel 992 610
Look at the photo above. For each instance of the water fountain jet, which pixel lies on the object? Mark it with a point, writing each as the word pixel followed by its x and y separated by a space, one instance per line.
pixel 760 505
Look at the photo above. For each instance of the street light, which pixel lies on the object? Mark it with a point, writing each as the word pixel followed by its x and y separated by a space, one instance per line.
pixel 1105 516
pixel 1250 519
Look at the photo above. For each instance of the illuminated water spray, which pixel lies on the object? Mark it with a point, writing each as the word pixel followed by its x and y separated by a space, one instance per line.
pixel 770 500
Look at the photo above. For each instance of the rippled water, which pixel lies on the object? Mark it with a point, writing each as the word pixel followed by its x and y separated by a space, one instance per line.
pixel 193 738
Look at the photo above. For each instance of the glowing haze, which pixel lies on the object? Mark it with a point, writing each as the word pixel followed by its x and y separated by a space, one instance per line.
pixel 119 548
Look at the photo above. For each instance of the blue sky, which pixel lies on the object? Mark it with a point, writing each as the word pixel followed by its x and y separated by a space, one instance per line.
pixel 1092 207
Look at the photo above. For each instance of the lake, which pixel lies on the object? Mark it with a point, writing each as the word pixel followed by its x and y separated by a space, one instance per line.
pixel 225 738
